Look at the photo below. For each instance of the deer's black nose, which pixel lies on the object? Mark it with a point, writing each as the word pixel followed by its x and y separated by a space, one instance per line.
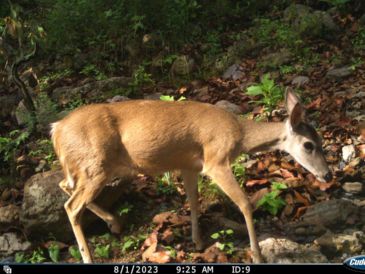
pixel 328 177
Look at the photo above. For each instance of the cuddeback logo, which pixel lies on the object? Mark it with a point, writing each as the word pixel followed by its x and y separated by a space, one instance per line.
pixel 356 263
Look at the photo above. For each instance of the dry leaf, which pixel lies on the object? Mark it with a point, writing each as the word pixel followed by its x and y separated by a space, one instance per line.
pixel 301 199
pixel 152 252
pixel 286 173
pixel 300 212
pixel 254 182
pixel 168 236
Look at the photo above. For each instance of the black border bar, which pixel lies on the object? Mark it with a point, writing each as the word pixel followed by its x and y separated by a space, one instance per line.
pixel 171 268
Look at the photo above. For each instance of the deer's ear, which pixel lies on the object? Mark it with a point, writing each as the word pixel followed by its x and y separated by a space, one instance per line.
pixel 294 108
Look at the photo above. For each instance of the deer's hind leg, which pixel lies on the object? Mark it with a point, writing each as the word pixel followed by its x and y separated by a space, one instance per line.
pixel 191 187
pixel 111 220
pixel 85 192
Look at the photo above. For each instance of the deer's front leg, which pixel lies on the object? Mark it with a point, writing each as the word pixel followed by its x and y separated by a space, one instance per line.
pixel 223 176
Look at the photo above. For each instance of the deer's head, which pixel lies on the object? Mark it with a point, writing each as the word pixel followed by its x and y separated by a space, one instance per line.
pixel 302 140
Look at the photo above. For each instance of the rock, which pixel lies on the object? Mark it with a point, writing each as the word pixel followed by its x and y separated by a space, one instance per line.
pixel 10 243
pixel 308 22
pixel 351 242
pixel 9 217
pixel 300 81
pixel 236 52
pixel 228 106
pixel 329 213
pixel 339 73
pixel 284 251
pixel 153 96
pixel 43 210
pixel 353 187
pixel 42 164
pixel 233 72
pixel 94 89
pixel 183 65
pixel 348 153
pixel 276 59
pixel 118 98
pixel 43 207
pixel 328 24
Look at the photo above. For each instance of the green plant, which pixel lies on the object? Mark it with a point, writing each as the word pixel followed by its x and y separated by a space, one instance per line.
pixel 44 149
pixel 75 253
pixel 125 209
pixel 358 41
pixel 225 244
pixel 172 251
pixel 239 170
pixel 171 98
pixel 10 145
pixel 271 201
pixel 271 93
pixel 102 251
pixel 139 78
pixel 76 103
pixel 44 81
pixel 54 252
pixel 92 71
pixel 37 256
pixel 276 33
pixel 356 62
pixel 165 184
pixel 132 242
pixel 286 69
pixel 20 257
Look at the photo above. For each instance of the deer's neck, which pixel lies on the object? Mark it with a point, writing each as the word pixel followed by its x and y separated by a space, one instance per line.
pixel 262 136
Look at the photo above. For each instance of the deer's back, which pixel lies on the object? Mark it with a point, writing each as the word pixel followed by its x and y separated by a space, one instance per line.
pixel 149 136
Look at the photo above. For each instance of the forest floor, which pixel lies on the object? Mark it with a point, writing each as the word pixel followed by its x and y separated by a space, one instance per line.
pixel 154 211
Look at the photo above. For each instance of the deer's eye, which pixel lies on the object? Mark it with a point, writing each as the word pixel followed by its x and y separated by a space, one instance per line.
pixel 308 146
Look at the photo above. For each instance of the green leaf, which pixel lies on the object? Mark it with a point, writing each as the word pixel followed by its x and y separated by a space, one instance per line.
pixel 20 257
pixel 167 98
pixel 54 253
pixel 254 90
pixel 267 85
pixel 215 235
pixel 127 245
pixel 278 186
pixel 75 253
pixel 229 231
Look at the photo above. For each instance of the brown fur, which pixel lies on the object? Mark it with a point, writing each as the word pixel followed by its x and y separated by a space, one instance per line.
pixel 99 142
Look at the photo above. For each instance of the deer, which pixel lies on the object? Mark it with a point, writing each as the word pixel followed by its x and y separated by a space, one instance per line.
pixel 99 142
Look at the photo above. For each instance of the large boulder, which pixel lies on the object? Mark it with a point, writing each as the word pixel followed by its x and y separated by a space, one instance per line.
pixel 183 65
pixel 276 59
pixel 43 210
pixel 284 251
pixel 309 22
pixel 95 89
pixel 11 243
pixel 236 52
pixel 350 242
pixel 9 217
